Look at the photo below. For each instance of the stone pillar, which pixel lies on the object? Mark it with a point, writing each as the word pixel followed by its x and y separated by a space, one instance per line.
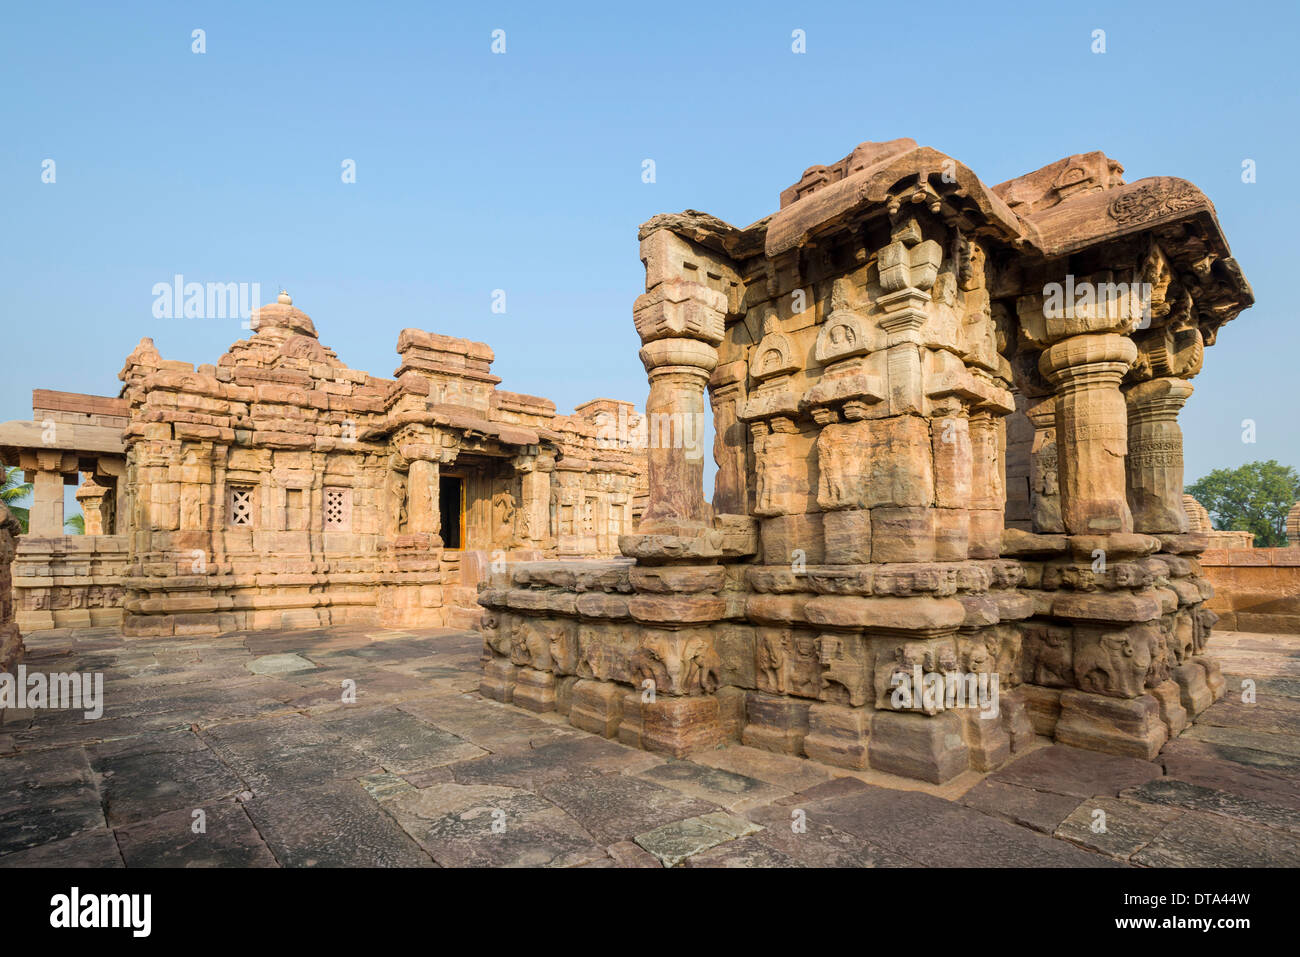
pixel 46 516
pixel 1155 455
pixel 535 497
pixel 423 516
pixel 1044 482
pixel 988 485
pixel 727 396
pixel 1091 430
pixel 680 324
pixel 96 506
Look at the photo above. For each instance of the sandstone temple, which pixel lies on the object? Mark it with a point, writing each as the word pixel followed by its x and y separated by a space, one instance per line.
pixel 945 422
pixel 280 488
pixel 947 446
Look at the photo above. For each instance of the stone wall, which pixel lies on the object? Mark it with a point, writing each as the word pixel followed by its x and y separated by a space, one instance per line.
pixel 862 349
pixel 1255 589
pixel 70 581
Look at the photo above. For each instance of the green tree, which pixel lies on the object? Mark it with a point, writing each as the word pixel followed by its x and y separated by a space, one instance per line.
pixel 1253 498
pixel 13 491
pixel 75 525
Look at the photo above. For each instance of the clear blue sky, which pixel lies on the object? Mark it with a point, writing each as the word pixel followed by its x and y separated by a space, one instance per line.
pixel 523 171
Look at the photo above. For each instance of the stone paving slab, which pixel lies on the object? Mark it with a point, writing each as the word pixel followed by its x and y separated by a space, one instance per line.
pixel 1210 840
pixel 1224 769
pixel 936 833
pixel 1116 828
pixel 1180 794
pixel 223 836
pixel 1038 810
pixel 1074 771
pixel 96 848
pixel 137 785
pixel 674 843
pixel 46 797
pixel 337 825
pixel 419 770
pixel 615 807
pixel 483 825
pixel 399 742
pixel 285 753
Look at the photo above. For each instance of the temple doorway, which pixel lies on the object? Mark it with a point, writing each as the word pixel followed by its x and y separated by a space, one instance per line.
pixel 451 503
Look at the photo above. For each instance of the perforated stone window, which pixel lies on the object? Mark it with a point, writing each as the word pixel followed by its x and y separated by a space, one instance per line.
pixel 338 509
pixel 239 505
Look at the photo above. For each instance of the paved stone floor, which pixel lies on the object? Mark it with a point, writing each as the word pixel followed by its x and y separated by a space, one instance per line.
pixel 252 730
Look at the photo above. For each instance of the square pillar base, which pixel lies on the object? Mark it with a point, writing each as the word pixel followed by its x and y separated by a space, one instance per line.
pixel 498 682
pixel 987 739
pixel 535 690
pixel 1194 689
pixel 1130 727
pixel 1172 713
pixel 925 747
pixel 1015 719
pixel 597 707
pixel 774 723
pixel 1043 705
pixel 676 726
pixel 838 735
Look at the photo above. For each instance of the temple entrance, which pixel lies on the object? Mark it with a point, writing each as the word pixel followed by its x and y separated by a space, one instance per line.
pixel 451 504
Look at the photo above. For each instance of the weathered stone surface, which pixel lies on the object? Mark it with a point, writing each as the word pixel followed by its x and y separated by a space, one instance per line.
pixel 1040 810
pixel 1208 840
pixel 1181 794
pixel 674 843
pixel 227 839
pixel 1116 828
pixel 1130 727
pixel 332 826
pixel 1075 772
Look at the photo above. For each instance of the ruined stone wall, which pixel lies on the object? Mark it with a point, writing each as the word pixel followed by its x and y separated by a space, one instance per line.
pixel 860 348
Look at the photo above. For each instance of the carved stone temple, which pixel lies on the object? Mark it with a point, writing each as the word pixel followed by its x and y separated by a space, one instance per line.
pixel 280 488
pixel 947 441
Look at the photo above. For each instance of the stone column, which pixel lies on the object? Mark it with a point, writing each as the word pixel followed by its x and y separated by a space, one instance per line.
pixel 680 324
pixel 727 396
pixel 1155 455
pixel 423 515
pixel 988 485
pixel 95 502
pixel 1091 430
pixel 46 517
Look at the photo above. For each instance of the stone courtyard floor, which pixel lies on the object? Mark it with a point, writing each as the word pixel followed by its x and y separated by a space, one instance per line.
pixel 251 729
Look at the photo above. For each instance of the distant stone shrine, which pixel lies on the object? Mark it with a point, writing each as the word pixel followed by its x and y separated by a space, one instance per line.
pixel 949 460
pixel 280 488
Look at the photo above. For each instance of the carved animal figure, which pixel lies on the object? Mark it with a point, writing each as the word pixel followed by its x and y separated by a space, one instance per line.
pixel 689 669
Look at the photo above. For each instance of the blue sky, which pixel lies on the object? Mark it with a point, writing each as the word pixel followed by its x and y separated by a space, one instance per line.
pixel 522 171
